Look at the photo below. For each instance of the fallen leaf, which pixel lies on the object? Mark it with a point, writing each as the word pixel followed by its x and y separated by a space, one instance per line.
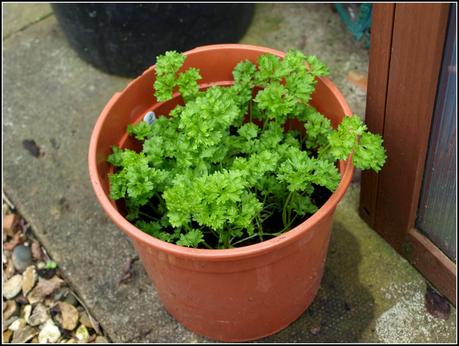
pixel 18 238
pixel 46 273
pixel 128 271
pixel 23 225
pixel 43 289
pixel 32 147
pixel 315 330
pixel 437 305
pixel 359 79
pixel 37 254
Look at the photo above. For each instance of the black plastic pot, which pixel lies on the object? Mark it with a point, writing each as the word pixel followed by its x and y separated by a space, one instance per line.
pixel 124 39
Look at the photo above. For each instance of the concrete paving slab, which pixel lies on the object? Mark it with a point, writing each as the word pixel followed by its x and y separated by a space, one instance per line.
pixel 368 293
pixel 53 98
pixel 18 16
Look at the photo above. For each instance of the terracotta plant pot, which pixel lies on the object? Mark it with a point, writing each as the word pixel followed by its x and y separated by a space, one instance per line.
pixel 236 294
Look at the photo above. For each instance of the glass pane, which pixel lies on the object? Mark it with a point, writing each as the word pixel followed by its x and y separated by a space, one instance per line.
pixel 437 208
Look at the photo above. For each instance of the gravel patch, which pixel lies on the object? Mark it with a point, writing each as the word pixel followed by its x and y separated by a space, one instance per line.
pixel 38 304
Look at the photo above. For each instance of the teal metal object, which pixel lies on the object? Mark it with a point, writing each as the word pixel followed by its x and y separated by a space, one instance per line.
pixel 357 18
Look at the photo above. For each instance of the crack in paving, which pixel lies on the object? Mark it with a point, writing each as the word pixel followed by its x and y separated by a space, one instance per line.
pixel 25 27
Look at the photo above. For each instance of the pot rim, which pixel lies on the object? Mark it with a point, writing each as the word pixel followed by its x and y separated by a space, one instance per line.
pixel 346 168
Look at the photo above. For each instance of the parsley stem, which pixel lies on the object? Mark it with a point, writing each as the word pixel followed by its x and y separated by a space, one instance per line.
pixel 148 216
pixel 152 206
pixel 207 245
pixel 260 227
pixel 244 239
pixel 289 224
pixel 286 228
pixel 324 150
pixel 265 124
pixel 284 210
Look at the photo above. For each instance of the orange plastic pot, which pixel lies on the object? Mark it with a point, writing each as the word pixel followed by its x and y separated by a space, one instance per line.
pixel 237 294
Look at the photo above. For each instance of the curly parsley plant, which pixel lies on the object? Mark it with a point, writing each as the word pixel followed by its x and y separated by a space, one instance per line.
pixel 220 171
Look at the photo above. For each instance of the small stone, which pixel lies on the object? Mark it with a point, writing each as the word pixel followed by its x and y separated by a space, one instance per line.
pixel 12 287
pixel 150 117
pixel 65 334
pixel 22 257
pixel 7 336
pixel 9 222
pixel 49 333
pixel 26 311
pixel 70 299
pixel 6 324
pixel 43 289
pixel 29 278
pixel 24 335
pixel 49 302
pixel 10 308
pixel 89 322
pixel 21 300
pixel 82 334
pixel 47 273
pixel 37 254
pixel 68 316
pixel 85 320
pixel 61 294
pixel 17 325
pixel 9 270
pixel 101 340
pixel 39 315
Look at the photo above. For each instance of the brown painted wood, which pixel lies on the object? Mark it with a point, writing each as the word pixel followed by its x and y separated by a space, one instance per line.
pixel 404 69
pixel 432 263
pixel 378 72
pixel 416 52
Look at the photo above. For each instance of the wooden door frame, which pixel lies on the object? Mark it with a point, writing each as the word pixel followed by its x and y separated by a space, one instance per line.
pixel 407 43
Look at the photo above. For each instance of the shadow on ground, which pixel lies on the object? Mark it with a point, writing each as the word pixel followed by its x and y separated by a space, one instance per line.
pixel 343 308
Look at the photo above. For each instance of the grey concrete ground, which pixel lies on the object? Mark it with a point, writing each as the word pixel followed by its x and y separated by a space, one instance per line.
pixel 368 293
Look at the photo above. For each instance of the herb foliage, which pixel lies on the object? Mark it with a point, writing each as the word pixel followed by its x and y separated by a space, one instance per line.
pixel 221 170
